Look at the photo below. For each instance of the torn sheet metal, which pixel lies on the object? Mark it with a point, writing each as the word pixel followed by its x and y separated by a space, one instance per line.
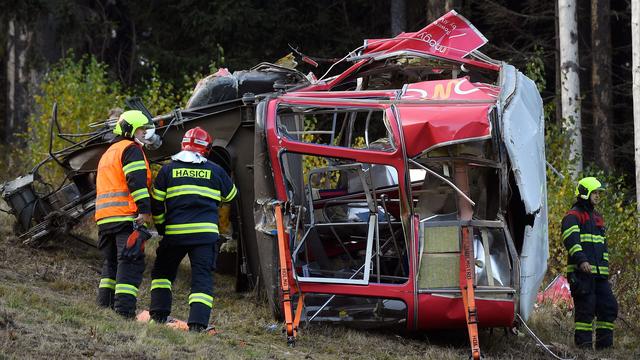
pixel 450 36
pixel 444 125
pixel 523 135
pixel 264 216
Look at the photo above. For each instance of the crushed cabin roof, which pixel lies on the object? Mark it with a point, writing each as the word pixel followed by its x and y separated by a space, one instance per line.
pixel 431 113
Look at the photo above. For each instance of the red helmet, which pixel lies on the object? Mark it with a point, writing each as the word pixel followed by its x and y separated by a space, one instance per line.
pixel 197 140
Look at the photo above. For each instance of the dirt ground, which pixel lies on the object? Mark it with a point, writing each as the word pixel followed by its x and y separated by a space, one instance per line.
pixel 47 310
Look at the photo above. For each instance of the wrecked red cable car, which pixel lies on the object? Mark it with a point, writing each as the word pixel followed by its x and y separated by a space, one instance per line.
pixel 408 190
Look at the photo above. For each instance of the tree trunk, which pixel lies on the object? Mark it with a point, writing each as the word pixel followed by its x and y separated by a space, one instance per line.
pixel 437 8
pixel 570 80
pixel 398 16
pixel 17 73
pixel 601 83
pixel 635 45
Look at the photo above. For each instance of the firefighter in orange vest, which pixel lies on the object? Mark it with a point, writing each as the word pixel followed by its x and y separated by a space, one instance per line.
pixel 123 210
pixel 583 234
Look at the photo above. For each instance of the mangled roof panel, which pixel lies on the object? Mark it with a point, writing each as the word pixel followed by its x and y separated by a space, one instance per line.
pixel 427 127
pixel 451 37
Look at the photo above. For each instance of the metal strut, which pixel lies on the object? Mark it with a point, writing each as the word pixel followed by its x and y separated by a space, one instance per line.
pixel 291 322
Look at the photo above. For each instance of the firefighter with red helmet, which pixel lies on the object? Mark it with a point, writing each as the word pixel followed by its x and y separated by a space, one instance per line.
pixel 583 234
pixel 185 199
pixel 123 204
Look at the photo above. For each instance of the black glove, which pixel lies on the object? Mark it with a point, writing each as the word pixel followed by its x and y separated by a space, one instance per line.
pixel 134 249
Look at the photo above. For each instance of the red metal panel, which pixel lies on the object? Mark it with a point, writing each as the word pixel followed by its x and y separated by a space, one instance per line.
pixel 440 312
pixel 450 37
pixel 426 127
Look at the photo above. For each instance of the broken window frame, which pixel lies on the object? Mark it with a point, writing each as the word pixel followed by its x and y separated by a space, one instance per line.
pixel 373 223
pixel 302 110
pixel 421 161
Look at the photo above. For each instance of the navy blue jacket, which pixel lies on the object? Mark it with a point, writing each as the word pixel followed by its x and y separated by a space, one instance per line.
pixel 583 234
pixel 185 200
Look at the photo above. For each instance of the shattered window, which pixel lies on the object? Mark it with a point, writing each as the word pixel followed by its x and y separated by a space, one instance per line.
pixel 439 180
pixel 433 198
pixel 347 220
pixel 352 128
pixel 493 267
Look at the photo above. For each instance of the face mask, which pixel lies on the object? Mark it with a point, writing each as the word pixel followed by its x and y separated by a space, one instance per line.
pixel 152 141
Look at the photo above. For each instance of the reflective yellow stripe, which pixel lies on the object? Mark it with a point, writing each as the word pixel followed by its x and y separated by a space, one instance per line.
pixel 575 248
pixel 201 298
pixel 569 231
pixel 134 166
pixel 193 190
pixel 160 284
pixel 158 194
pixel 231 195
pixel 159 219
pixel 571 268
pixel 604 325
pixel 107 283
pixel 605 256
pixel 176 229
pixel 140 194
pixel 590 238
pixel 126 289
pixel 114 219
pixel 584 326
pixel 604 270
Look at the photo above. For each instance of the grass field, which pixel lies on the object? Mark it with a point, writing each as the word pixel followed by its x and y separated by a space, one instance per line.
pixel 47 311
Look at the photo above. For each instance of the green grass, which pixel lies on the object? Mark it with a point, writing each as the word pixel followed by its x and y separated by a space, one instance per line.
pixel 47 310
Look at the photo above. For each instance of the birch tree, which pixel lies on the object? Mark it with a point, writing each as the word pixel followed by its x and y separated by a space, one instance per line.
pixel 635 44
pixel 601 82
pixel 17 74
pixel 569 79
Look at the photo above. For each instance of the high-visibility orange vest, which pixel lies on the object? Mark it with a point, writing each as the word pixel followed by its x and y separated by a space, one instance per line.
pixel 113 199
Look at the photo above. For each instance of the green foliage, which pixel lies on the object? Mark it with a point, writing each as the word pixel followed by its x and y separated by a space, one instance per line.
pixel 534 68
pixel 618 209
pixel 85 94
pixel 161 96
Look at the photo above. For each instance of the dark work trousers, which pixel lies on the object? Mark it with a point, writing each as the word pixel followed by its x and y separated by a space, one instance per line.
pixel 120 277
pixel 163 275
pixel 601 304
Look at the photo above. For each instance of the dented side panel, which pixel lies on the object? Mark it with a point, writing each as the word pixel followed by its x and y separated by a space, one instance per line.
pixel 523 135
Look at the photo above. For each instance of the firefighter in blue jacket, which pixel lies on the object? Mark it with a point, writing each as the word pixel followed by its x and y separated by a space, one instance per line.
pixel 583 234
pixel 185 199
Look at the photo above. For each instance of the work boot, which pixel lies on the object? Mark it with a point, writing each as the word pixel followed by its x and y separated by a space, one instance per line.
pixel 105 298
pixel 127 315
pixel 197 328
pixel 158 317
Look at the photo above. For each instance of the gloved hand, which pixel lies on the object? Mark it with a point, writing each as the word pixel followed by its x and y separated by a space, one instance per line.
pixel 134 249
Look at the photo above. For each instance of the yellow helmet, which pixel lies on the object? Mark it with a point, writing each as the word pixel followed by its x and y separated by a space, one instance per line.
pixel 130 121
pixel 586 186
